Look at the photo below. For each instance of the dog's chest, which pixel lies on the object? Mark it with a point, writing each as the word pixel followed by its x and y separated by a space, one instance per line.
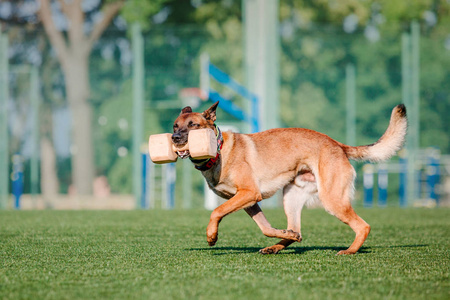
pixel 220 186
pixel 224 190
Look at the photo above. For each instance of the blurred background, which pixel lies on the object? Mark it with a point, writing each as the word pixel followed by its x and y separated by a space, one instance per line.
pixel 83 84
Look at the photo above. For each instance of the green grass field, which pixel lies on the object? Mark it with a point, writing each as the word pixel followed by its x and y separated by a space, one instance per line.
pixel 164 255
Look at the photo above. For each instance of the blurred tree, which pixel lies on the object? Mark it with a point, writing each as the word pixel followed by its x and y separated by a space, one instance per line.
pixel 52 95
pixel 73 53
pixel 72 28
pixel 29 46
pixel 319 38
pixel 174 37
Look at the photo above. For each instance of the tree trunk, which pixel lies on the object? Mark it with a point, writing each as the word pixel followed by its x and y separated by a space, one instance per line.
pixel 73 54
pixel 77 86
pixel 49 178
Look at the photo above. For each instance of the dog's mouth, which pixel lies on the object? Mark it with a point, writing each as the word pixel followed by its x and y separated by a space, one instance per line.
pixel 183 154
pixel 182 150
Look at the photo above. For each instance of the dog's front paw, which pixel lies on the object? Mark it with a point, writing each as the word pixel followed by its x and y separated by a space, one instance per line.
pixel 212 233
pixel 345 252
pixel 211 237
pixel 212 240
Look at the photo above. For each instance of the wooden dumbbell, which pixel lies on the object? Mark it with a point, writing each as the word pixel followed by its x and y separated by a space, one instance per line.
pixel 202 144
pixel 160 148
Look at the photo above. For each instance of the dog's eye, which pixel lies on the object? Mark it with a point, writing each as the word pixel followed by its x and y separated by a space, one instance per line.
pixel 175 126
pixel 192 124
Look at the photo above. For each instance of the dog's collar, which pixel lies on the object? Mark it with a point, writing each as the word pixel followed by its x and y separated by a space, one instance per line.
pixel 206 164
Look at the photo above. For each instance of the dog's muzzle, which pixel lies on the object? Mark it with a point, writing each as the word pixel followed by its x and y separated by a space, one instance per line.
pixel 182 150
pixel 183 154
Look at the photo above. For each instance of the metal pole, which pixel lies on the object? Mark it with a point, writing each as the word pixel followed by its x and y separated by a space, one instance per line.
pixel 4 144
pixel 406 71
pixel 383 180
pixel 260 18
pixel 17 179
pixel 410 187
pixel 250 63
pixel 350 92
pixel 433 173
pixel 152 182
pixel 34 99
pixel 187 184
pixel 415 82
pixel 164 187
pixel 204 75
pixel 138 109
pixel 403 196
pixel 415 96
pixel 261 56
pixel 368 185
pixel 170 182
pixel 144 194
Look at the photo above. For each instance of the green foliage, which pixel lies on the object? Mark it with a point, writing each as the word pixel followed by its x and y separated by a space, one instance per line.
pixel 164 255
pixel 315 50
pixel 114 134
pixel 140 11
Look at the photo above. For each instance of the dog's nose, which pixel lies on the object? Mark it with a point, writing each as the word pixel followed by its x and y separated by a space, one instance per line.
pixel 176 137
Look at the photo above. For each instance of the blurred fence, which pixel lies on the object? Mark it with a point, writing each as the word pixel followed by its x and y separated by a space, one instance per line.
pixel 314 92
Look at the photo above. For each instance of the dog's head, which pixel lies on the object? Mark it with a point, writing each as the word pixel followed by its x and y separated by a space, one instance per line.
pixel 187 121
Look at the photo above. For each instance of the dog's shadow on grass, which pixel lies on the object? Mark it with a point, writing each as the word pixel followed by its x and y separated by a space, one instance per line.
pixel 294 250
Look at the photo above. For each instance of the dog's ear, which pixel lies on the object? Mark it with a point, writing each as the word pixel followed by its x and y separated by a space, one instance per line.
pixel 186 110
pixel 210 113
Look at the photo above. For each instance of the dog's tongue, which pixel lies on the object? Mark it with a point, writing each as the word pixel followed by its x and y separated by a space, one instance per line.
pixel 182 151
pixel 183 154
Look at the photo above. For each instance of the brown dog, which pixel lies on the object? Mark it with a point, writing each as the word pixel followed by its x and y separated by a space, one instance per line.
pixel 305 163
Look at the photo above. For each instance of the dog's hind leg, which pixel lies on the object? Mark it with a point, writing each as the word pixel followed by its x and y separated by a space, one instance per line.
pixel 260 219
pixel 294 198
pixel 335 192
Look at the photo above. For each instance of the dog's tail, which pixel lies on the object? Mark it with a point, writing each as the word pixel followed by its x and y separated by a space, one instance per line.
pixel 391 141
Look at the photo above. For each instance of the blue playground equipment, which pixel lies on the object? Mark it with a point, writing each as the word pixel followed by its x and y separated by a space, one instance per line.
pixel 209 70
pixel 17 179
pixel 230 107
pixel 426 177
pixel 162 176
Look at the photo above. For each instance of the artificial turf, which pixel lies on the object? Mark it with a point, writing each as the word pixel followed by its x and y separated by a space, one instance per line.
pixel 164 255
